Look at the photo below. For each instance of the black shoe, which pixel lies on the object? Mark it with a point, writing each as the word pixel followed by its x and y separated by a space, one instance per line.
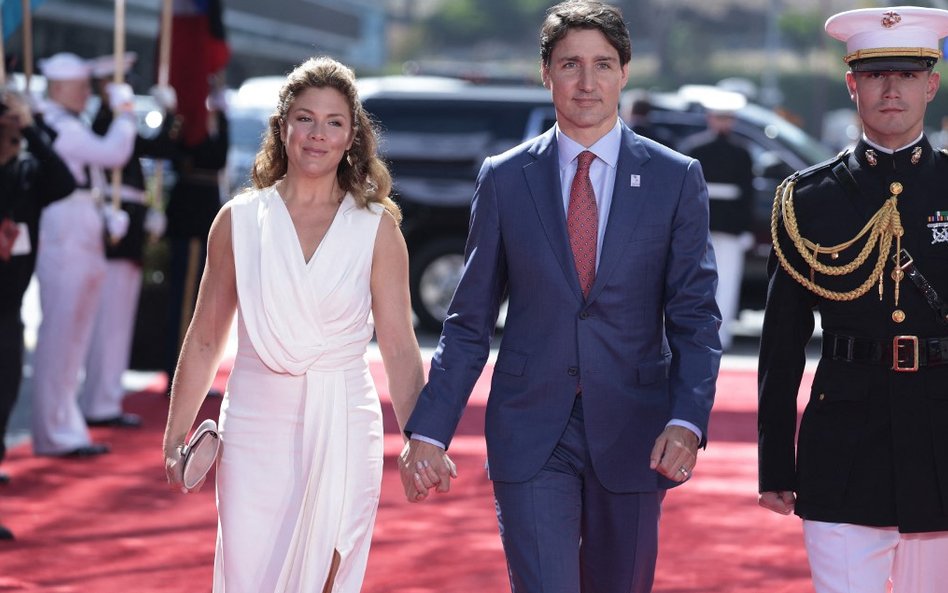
pixel 90 450
pixel 5 534
pixel 214 393
pixel 120 421
pixel 4 478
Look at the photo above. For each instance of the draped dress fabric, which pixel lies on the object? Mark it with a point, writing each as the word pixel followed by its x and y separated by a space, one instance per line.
pixel 301 426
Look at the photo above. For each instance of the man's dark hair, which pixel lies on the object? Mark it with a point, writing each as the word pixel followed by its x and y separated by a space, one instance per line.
pixel 580 14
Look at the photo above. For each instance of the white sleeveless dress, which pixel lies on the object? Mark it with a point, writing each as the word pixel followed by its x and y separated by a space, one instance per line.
pixel 301 426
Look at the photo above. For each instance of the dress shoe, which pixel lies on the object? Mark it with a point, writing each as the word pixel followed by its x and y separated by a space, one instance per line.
pixel 90 450
pixel 120 421
pixel 5 534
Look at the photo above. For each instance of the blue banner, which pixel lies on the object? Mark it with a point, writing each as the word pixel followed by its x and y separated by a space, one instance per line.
pixel 13 14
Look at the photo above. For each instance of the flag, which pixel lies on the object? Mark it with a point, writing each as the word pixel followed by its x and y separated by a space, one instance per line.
pixel 13 15
pixel 198 49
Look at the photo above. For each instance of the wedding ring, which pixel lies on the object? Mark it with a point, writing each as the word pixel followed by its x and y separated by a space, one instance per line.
pixel 684 471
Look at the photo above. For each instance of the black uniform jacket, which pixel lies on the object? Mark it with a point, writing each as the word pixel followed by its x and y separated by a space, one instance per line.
pixel 724 161
pixel 872 447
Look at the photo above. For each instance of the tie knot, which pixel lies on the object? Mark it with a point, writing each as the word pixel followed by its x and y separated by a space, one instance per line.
pixel 585 159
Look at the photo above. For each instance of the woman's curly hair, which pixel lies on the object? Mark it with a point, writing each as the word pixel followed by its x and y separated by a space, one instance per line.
pixel 361 173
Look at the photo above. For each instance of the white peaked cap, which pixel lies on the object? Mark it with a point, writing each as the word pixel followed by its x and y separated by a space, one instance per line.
pixel 905 33
pixel 104 66
pixel 65 66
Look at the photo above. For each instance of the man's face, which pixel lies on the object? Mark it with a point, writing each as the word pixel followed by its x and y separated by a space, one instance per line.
pixel 585 78
pixel 71 94
pixel 892 105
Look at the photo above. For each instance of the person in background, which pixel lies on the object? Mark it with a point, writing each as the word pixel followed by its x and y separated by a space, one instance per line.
pixel 194 202
pixel 640 120
pixel 729 173
pixel 30 180
pixel 308 255
pixel 101 395
pixel 863 239
pixel 70 262
pixel 605 375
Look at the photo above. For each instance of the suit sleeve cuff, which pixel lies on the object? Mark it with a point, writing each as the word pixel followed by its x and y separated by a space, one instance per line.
pixel 685 424
pixel 424 439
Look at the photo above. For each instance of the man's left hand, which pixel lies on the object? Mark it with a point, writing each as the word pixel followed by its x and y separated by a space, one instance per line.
pixel 675 453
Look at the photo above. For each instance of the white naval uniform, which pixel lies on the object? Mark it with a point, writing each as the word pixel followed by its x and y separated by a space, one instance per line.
pixel 101 395
pixel 71 268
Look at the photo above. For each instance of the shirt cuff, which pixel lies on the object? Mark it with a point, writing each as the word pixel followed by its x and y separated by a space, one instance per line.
pixel 424 439
pixel 685 424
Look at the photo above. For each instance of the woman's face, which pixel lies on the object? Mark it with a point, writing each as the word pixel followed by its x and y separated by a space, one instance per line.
pixel 317 132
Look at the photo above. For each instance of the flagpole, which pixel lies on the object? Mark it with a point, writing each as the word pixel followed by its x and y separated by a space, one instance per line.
pixel 3 56
pixel 164 75
pixel 118 78
pixel 27 46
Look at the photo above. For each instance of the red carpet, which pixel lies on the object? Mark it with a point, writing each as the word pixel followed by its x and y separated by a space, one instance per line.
pixel 111 525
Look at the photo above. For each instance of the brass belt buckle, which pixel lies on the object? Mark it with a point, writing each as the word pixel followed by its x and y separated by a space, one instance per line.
pixel 899 342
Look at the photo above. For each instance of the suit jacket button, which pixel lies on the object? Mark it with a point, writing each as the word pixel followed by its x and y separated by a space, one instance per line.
pixel 583 315
pixel 572 371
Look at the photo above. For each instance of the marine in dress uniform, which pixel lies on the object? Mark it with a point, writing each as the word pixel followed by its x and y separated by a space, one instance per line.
pixel 101 395
pixel 728 171
pixel 862 239
pixel 70 263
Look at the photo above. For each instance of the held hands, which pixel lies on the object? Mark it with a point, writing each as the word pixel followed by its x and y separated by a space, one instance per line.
pixel 424 466
pixel 779 502
pixel 675 453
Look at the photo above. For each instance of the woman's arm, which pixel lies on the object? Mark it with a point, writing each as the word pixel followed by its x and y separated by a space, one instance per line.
pixel 391 308
pixel 204 342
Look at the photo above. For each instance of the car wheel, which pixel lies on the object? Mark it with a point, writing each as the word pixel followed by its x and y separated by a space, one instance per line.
pixel 435 273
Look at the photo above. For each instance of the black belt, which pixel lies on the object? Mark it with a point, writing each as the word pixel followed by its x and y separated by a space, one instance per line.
pixel 901 353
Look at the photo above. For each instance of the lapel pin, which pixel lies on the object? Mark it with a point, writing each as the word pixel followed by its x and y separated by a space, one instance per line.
pixel 635 181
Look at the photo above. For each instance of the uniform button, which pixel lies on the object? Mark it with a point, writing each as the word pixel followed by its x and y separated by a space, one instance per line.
pixel 572 371
pixel 583 315
pixel 822 396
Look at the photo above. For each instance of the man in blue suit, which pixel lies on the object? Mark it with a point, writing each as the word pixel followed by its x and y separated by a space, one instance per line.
pixel 605 376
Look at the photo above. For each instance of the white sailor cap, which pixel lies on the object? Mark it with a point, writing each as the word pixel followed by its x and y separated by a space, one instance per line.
pixel 104 66
pixel 899 38
pixel 64 66
pixel 714 100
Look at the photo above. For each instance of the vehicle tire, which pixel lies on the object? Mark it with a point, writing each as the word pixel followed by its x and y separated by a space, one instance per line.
pixel 435 271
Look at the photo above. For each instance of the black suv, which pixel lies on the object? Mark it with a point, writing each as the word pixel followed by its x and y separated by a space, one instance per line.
pixel 436 132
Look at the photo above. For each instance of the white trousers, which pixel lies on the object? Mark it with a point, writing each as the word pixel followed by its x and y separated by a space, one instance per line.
pixel 70 268
pixel 729 254
pixel 847 558
pixel 101 395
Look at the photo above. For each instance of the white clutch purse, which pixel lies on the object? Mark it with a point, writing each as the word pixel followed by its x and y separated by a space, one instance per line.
pixel 200 454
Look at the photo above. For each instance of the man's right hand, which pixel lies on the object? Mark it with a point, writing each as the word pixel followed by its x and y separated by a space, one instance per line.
pixel 424 466
pixel 779 502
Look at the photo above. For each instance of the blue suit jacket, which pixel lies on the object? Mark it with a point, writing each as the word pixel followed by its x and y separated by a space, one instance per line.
pixel 644 344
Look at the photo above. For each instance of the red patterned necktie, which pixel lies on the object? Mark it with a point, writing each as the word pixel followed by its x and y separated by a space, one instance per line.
pixel 582 222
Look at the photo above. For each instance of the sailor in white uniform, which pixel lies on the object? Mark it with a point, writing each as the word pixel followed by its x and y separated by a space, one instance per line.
pixel 70 260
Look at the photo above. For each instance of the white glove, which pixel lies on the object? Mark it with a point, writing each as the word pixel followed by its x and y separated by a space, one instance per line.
pixel 155 223
pixel 746 240
pixel 165 96
pixel 217 100
pixel 121 97
pixel 116 223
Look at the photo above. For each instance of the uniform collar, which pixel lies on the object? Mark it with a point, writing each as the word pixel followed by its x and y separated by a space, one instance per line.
pixel 872 156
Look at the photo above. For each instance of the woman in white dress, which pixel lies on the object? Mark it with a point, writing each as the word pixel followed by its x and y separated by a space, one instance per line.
pixel 304 257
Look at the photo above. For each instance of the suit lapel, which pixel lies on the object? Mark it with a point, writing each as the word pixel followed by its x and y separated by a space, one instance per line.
pixel 543 181
pixel 626 210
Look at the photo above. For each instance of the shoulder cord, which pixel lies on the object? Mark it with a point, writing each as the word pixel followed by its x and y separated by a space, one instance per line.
pixel 882 227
